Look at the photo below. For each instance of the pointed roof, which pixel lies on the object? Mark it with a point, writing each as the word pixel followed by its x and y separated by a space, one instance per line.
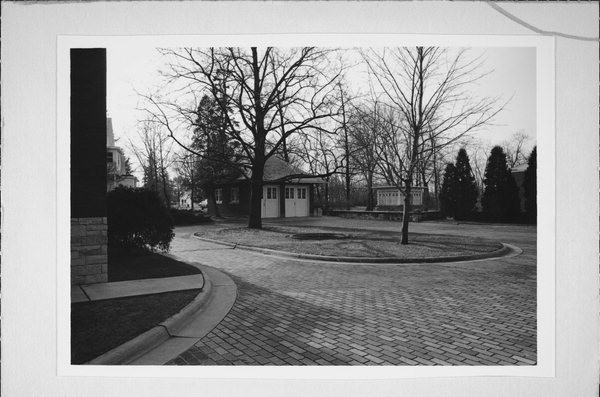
pixel 278 170
pixel 110 136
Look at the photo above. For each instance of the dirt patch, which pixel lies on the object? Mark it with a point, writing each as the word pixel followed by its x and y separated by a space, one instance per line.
pixel 350 243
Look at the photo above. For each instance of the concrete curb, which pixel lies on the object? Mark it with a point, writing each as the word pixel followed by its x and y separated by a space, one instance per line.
pixel 220 303
pixel 149 340
pixel 506 249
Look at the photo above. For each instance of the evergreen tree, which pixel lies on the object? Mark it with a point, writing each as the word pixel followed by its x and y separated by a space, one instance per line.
pixel 465 187
pixel 448 191
pixel 501 195
pixel 530 186
pixel 220 159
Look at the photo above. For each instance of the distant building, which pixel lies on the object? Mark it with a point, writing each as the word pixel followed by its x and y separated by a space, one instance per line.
pixel 390 197
pixel 518 174
pixel 115 160
pixel 288 192
pixel 185 201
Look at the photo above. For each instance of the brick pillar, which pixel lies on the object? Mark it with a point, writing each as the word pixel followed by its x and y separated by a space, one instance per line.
pixel 89 259
pixel 88 250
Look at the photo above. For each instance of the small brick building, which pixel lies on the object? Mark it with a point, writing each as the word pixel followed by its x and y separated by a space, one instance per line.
pixel 287 192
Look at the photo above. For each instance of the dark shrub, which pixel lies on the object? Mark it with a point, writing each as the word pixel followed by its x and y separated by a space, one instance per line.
pixel 138 219
pixel 448 191
pixel 187 217
pixel 530 186
pixel 500 199
pixel 465 187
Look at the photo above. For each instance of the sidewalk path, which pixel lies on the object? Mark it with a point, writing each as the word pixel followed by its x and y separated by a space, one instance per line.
pixel 291 312
pixel 121 289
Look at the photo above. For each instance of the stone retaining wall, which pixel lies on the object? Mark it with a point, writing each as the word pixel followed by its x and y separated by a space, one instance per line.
pixel 415 216
pixel 89 256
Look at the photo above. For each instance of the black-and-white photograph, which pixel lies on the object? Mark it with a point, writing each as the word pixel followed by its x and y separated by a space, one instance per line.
pixel 303 206
pixel 318 198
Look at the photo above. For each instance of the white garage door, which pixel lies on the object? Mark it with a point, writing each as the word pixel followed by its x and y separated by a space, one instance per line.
pixel 270 202
pixel 296 201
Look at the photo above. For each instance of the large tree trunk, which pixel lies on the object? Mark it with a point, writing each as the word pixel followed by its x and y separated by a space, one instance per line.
pixel 425 196
pixel 417 129
pixel 258 167
pixel 436 184
pixel 346 154
pixel 165 190
pixel 406 212
pixel 326 201
pixel 256 187
pixel 192 187
pixel 214 200
pixel 370 203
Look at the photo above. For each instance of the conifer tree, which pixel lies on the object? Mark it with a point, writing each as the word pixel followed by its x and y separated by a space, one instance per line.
pixel 464 186
pixel 530 186
pixel 501 195
pixel 448 191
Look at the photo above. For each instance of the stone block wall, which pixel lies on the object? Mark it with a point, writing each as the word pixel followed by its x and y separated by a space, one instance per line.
pixel 89 255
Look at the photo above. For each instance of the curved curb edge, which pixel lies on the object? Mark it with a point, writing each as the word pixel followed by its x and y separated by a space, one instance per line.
pixel 143 343
pixel 503 251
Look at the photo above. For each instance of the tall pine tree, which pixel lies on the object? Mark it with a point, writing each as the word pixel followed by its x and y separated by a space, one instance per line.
pixel 220 161
pixel 530 186
pixel 448 191
pixel 465 187
pixel 501 195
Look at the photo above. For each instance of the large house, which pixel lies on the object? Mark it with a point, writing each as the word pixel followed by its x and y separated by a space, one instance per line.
pixel 115 160
pixel 287 192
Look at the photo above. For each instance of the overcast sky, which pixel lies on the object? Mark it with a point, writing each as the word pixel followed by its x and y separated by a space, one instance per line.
pixel 131 69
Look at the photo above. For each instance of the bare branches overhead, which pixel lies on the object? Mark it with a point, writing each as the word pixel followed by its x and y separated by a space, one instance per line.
pixel 266 96
pixel 429 93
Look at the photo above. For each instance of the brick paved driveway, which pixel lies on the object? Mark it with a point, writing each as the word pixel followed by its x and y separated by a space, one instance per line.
pixel 291 312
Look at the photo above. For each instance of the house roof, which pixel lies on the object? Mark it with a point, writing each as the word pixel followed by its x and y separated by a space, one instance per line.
pixel 278 170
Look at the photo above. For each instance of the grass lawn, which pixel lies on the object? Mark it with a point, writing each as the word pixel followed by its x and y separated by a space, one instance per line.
pixel 123 267
pixel 356 243
pixel 99 326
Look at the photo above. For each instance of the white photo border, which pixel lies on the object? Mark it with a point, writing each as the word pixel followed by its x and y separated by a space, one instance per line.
pixel 546 233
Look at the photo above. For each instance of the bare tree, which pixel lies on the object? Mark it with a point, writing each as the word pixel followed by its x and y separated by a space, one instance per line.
pixel 517 148
pixel 427 89
pixel 185 168
pixel 478 151
pixel 266 95
pixel 319 151
pixel 155 155
pixel 345 142
pixel 365 132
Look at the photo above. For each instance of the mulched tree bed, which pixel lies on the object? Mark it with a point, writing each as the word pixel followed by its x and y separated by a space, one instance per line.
pixel 99 326
pixel 355 243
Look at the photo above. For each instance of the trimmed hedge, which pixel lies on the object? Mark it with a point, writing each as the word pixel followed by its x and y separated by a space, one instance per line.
pixel 188 217
pixel 138 219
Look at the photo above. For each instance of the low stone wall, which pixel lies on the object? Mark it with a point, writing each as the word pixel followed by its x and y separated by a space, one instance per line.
pixel 415 216
pixel 89 255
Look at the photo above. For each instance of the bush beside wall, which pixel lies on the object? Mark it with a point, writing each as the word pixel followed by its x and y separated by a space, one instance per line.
pixel 138 219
